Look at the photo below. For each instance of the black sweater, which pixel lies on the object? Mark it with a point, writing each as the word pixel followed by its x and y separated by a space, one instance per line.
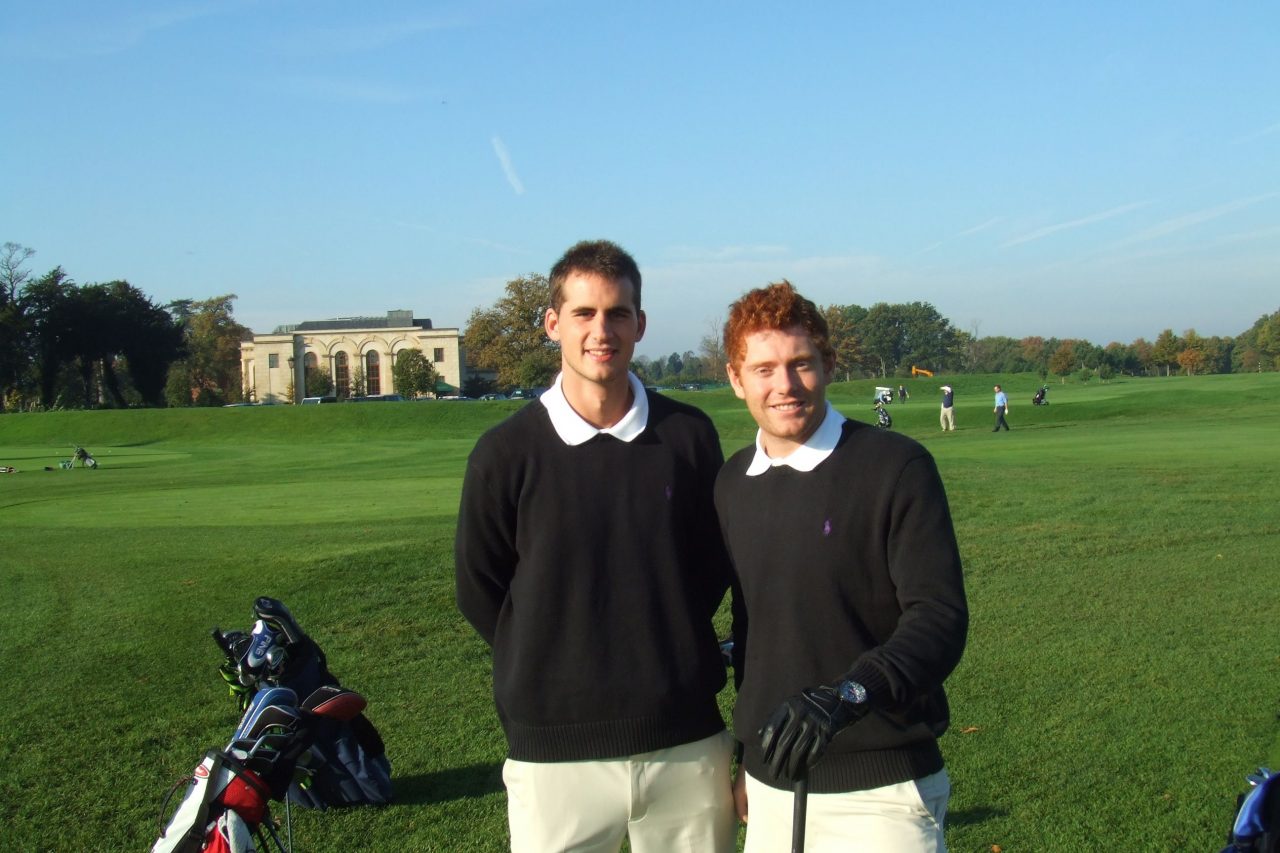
pixel 593 571
pixel 849 570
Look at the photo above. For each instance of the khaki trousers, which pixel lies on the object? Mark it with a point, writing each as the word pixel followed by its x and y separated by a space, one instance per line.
pixel 677 800
pixel 948 418
pixel 902 818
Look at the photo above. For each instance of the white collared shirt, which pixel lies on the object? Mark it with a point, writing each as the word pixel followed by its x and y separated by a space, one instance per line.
pixel 574 430
pixel 807 456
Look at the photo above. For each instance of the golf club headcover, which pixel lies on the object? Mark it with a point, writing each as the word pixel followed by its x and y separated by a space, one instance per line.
pixel 274 613
pixel 799 730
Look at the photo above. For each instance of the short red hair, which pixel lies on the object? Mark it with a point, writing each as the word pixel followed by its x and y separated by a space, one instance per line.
pixel 777 306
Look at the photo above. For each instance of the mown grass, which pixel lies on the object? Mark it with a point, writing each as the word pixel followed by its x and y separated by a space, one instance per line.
pixel 1119 545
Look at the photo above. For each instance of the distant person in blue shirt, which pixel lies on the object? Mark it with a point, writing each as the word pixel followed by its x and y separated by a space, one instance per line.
pixel 1002 408
pixel 948 417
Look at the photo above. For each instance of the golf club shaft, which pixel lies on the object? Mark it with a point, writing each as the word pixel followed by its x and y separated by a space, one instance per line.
pixel 799 813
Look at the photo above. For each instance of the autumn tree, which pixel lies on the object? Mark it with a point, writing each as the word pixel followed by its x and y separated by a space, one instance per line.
pixel 1036 353
pixel 1063 360
pixel 898 336
pixel 508 338
pixel 209 374
pixel 318 382
pixel 413 375
pixel 1164 352
pixel 843 335
pixel 1259 347
pixel 711 349
pixel 1142 353
pixel 1191 355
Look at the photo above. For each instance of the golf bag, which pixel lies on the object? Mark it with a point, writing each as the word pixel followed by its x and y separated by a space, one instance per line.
pixel 347 763
pixel 883 419
pixel 1257 824
pixel 1041 397
pixel 84 458
pixel 225 808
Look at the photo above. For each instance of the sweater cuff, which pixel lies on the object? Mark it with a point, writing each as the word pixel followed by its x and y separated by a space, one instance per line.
pixel 873 679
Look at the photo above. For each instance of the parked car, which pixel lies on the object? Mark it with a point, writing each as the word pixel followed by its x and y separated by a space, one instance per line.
pixel 493 396
pixel 378 398
pixel 315 401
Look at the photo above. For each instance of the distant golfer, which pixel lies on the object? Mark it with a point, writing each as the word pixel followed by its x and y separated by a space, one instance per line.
pixel 948 416
pixel 589 557
pixel 1001 409
pixel 849 609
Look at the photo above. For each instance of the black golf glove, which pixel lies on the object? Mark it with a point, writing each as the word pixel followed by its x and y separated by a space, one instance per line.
pixel 799 730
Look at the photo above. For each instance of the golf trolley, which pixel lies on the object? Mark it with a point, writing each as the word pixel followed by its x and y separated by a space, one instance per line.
pixel 883 419
pixel 1041 397
pixel 319 752
pixel 84 457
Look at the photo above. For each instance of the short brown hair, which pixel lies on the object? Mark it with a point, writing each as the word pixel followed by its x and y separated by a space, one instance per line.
pixel 605 259
pixel 777 306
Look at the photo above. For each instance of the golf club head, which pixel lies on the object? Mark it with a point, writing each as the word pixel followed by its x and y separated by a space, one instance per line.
pixel 271 706
pixel 262 641
pixel 335 703
pixel 278 616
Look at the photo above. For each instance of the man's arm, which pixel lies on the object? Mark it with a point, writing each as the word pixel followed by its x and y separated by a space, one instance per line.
pixel 924 565
pixel 484 551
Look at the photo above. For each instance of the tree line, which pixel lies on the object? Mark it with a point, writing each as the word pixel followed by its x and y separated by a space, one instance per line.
pixel 884 340
pixel 108 345
pixel 68 345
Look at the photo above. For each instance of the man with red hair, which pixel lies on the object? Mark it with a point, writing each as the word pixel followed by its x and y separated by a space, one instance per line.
pixel 849 605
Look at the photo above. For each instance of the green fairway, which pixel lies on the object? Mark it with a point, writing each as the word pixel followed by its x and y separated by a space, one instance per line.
pixel 1122 673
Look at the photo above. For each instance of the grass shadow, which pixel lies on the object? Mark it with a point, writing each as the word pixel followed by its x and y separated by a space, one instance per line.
pixel 973 816
pixel 456 783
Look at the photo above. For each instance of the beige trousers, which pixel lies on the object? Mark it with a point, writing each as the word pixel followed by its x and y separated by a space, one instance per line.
pixel 902 818
pixel 677 800
pixel 948 418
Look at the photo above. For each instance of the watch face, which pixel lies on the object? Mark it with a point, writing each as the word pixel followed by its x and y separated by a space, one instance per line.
pixel 853 692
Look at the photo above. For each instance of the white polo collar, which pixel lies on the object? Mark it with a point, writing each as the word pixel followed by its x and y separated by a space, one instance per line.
pixel 807 456
pixel 573 430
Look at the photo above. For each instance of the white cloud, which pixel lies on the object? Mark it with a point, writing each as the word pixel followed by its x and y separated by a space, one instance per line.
pixel 968 232
pixel 358 38
pixel 1179 223
pixel 508 169
pixel 1259 134
pixel 1075 223
pixel 104 34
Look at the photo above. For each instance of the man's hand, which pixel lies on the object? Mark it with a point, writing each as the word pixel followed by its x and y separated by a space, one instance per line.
pixel 799 730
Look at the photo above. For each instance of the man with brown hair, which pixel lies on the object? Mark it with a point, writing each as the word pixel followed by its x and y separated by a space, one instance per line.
pixel 849 601
pixel 588 556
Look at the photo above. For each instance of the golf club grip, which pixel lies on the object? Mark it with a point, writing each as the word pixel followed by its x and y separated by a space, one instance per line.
pixel 799 813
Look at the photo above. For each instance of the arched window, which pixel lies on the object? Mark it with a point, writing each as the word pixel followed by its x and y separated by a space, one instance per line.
pixel 309 366
pixel 342 374
pixel 373 372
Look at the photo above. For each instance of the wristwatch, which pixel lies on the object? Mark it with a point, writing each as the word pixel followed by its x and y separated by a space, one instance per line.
pixel 851 692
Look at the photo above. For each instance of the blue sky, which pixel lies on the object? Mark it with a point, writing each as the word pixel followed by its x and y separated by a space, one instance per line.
pixel 1076 169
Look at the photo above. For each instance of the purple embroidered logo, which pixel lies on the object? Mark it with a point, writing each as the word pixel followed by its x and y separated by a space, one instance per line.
pixel 826 527
pixel 668 493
